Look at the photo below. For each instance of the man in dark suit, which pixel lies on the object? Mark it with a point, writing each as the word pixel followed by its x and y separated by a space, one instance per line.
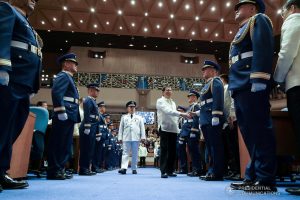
pixel 88 130
pixel 20 66
pixel 251 57
pixel 66 113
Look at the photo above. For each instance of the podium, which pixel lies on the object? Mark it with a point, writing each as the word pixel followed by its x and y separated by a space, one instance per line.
pixel 21 150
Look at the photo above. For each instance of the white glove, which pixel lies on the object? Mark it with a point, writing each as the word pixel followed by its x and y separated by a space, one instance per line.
pixel 4 77
pixel 62 116
pixel 256 87
pixel 98 139
pixel 215 121
pixel 86 131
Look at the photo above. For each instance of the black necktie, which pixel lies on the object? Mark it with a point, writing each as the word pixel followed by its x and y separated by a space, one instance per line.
pixel 131 116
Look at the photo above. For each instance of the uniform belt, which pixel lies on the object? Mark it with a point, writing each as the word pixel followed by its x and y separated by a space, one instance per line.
pixel 102 126
pixel 94 116
pixel 202 103
pixel 25 46
pixel 71 99
pixel 241 56
pixel 188 120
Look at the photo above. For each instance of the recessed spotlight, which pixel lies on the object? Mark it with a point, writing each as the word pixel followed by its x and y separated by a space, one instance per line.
pixel 157 26
pixel 146 14
pixel 171 16
pixel 206 30
pixel 160 4
pixel 109 44
pixel 54 19
pixel 145 46
pixel 197 18
pixel 279 11
pixel 213 9
pixel 191 61
pixel 69 24
pixel 65 8
pixel 169 38
pixel 66 41
pixel 133 24
pixel 87 42
pixel 182 28
pixel 222 20
pixel 201 2
pixel 120 12
pixel 187 6
pixel 193 32
pixel 131 45
pixel 120 27
pixel 60 49
pixel 49 30
pixel 186 61
pixel 95 26
pixel 216 34
pixel 104 0
pixel 230 32
pixel 174 1
pixel 132 2
pixel 170 31
pixel 107 23
pixel 228 4
pixel 92 10
pixel 145 29
pixel 190 40
pixel 156 46
pixel 43 22
pixel 72 31
pixel 81 21
pixel 211 41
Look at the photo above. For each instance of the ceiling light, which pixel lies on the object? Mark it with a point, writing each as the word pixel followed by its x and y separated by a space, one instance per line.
pixel 133 24
pixel 197 18
pixel 169 38
pixel 66 41
pixel 72 31
pixel 213 9
pixel 81 21
pixel 279 11
pixel 160 4
pixel 158 26
pixel 182 28
pixel 92 10
pixel 120 27
pixel 145 46
pixel 174 1
pixel 104 0
pixel 69 24
pixel 171 16
pixel 186 61
pixel 146 14
pixel 132 2
pixel 170 31
pixel 87 42
pixel 120 12
pixel 43 22
pixel 95 25
pixel 156 46
pixel 206 30
pixel 228 4
pixel 211 41
pixel 65 8
pixel 216 34
pixel 145 29
pixel 222 20
pixel 187 6
pixel 107 23
pixel 49 30
pixel 193 32
pixel 109 44
pixel 191 61
pixel 131 45
pixel 54 19
pixel 230 32
pixel 201 2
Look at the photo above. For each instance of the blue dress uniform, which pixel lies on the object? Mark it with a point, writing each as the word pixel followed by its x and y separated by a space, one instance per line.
pixel 182 144
pixel 87 132
pixel 251 56
pixel 108 150
pixel 65 101
pixel 20 56
pixel 212 103
pixel 192 128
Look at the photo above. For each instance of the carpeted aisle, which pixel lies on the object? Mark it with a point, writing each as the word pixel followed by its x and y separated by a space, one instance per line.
pixel 146 185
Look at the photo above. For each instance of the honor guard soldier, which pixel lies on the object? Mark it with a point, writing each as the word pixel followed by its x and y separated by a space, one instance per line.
pixel 108 145
pixel 66 114
pixel 191 130
pixel 20 66
pixel 88 130
pixel 98 157
pixel 182 144
pixel 131 131
pixel 251 56
pixel 211 120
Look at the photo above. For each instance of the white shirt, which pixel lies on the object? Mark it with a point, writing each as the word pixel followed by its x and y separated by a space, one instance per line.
pixel 167 115
pixel 143 151
pixel 131 129
pixel 288 65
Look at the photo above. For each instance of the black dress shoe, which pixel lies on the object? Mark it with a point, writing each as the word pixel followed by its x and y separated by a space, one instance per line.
pixel 294 191
pixel 213 177
pixel 98 171
pixel 8 183
pixel 260 187
pixel 172 174
pixel 68 175
pixel 86 172
pixel 182 172
pixel 234 177
pixel 56 176
pixel 193 174
pixel 241 185
pixel 134 172
pixel 122 171
pixel 1 189
pixel 164 175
